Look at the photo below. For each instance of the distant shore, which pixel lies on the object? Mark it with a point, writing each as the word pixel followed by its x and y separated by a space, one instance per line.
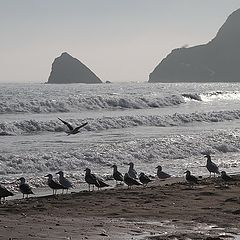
pixel 163 210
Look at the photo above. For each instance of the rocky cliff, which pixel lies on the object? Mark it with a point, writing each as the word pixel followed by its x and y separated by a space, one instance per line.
pixel 216 61
pixel 66 69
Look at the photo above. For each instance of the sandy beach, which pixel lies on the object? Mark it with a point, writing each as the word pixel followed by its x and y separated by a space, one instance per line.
pixel 163 210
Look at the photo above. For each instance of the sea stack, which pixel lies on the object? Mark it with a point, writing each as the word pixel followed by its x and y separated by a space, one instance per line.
pixel 67 69
pixel 216 61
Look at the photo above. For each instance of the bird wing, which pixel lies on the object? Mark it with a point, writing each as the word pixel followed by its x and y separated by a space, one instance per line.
pixel 135 182
pixel 66 123
pixel 56 185
pixel 67 183
pixel 102 184
pixel 77 128
pixel 120 176
pixel 215 167
pixel 26 189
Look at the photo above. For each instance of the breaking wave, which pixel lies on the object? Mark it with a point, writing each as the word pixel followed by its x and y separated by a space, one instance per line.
pixel 98 124
pixel 220 95
pixel 79 103
pixel 145 152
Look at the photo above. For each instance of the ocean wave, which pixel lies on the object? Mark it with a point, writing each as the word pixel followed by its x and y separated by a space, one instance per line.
pixel 99 124
pixel 78 103
pixel 220 95
pixel 176 152
pixel 192 96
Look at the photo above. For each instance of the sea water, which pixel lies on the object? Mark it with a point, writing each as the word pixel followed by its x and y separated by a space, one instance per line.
pixel 172 125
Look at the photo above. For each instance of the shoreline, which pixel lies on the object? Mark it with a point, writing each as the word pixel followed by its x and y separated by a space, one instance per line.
pixel 162 210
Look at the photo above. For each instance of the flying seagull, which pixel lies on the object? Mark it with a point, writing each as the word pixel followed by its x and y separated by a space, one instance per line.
pixel 63 181
pixel 54 185
pixel 161 174
pixel 4 193
pixel 116 174
pixel 144 179
pixel 24 187
pixel 211 166
pixel 71 129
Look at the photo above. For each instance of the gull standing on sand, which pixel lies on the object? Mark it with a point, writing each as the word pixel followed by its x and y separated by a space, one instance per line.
pixel 54 185
pixel 24 187
pixel 4 193
pixel 131 171
pixel 211 166
pixel 226 177
pixel 144 179
pixel 116 174
pixel 130 181
pixel 71 129
pixel 190 178
pixel 63 181
pixel 92 179
pixel 161 174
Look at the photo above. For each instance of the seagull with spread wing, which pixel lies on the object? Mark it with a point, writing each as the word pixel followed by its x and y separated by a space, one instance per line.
pixel 72 130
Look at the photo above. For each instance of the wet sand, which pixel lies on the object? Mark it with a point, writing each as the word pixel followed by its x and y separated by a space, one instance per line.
pixel 163 210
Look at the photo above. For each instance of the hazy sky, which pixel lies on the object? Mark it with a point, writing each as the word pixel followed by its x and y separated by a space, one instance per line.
pixel 119 40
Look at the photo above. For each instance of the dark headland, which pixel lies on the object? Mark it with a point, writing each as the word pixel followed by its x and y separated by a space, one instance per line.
pixel 216 61
pixel 67 69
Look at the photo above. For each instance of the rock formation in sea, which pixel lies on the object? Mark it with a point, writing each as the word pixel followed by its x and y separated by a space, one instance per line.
pixel 216 61
pixel 67 69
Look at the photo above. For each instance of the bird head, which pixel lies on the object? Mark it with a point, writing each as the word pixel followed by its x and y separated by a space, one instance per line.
pixel 87 170
pixel 60 173
pixel 187 172
pixel 49 176
pixel 159 168
pixel 223 173
pixel 21 179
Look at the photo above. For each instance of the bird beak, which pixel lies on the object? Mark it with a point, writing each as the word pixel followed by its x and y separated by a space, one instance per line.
pixel 46 176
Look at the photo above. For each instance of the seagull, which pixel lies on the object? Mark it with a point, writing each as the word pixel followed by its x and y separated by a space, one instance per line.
pixel 100 183
pixel 116 174
pixel 54 185
pixel 211 166
pixel 131 171
pixel 161 174
pixel 92 179
pixel 72 130
pixel 24 187
pixel 130 181
pixel 4 193
pixel 226 177
pixel 190 178
pixel 144 179
pixel 63 181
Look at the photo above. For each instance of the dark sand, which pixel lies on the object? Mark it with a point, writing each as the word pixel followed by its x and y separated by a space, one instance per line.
pixel 163 210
